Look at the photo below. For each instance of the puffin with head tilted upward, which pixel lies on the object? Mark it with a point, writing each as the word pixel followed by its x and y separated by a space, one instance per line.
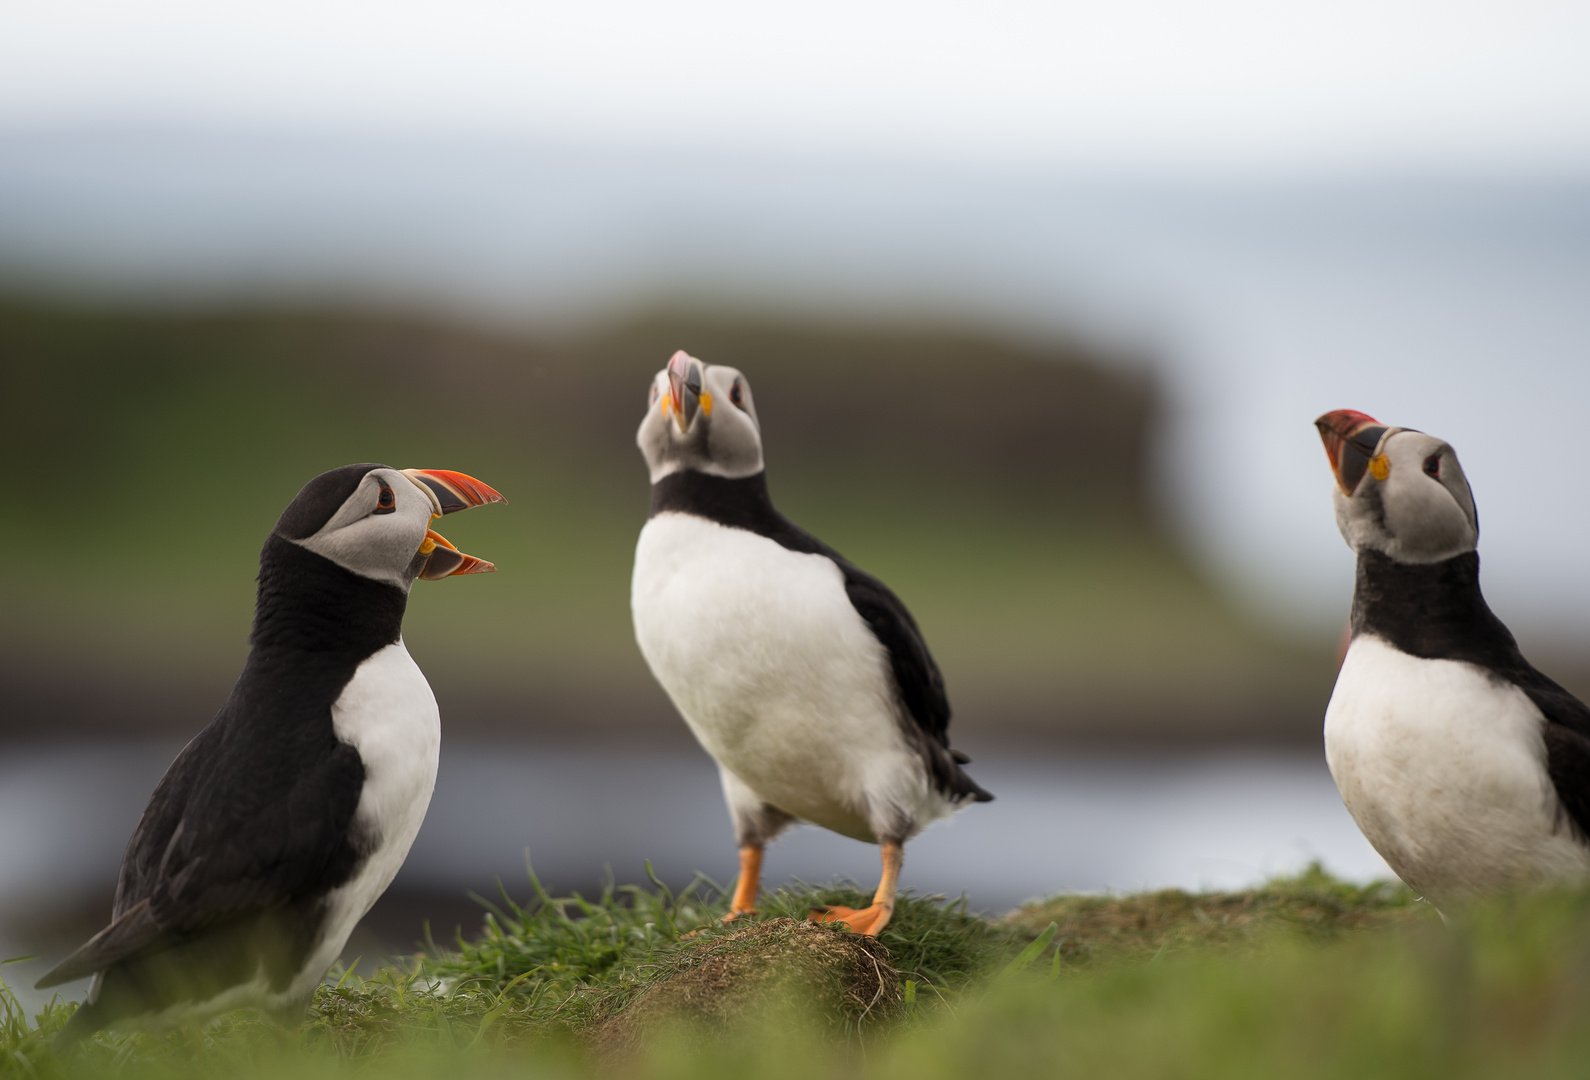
pixel 284 819
pixel 802 675
pixel 1466 768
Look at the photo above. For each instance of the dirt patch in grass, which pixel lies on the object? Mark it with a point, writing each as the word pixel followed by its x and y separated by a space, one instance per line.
pixel 773 972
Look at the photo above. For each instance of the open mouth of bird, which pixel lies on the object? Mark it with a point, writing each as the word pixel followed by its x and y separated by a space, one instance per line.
pixel 449 493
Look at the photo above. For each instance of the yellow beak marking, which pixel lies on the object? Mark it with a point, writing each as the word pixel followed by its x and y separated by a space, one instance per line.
pixel 1380 466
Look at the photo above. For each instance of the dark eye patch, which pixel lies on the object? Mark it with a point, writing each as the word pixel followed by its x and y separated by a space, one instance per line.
pixel 1432 466
pixel 386 502
pixel 737 395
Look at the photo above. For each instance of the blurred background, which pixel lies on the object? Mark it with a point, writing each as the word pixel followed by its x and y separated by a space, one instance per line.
pixel 1039 302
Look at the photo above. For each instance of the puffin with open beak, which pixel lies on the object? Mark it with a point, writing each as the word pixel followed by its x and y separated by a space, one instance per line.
pixel 801 674
pixel 1465 767
pixel 283 821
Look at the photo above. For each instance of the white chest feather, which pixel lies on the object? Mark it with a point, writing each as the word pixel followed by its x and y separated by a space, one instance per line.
pixel 775 672
pixel 1444 769
pixel 388 713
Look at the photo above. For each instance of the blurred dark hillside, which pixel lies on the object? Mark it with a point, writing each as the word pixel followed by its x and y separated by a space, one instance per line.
pixel 1001 489
pixel 1047 423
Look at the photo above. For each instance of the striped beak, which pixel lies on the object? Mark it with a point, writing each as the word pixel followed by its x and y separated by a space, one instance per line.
pixel 449 493
pixel 684 388
pixel 1352 439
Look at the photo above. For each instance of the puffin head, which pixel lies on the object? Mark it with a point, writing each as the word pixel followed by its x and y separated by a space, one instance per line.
pixel 701 417
pixel 1398 491
pixel 375 521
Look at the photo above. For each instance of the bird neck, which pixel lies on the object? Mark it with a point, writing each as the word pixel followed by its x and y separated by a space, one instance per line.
pixel 308 604
pixel 742 502
pixel 1433 610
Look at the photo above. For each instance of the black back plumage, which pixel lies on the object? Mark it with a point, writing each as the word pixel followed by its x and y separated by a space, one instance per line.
pixel 1436 611
pixel 744 503
pixel 254 822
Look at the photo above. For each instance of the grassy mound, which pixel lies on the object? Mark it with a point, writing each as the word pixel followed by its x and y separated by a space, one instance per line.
pixel 572 961
pixel 1304 976
pixel 770 974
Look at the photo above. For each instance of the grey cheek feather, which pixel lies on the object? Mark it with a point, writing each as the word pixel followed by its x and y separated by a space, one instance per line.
pixel 665 450
pixel 1361 518
pixel 1343 508
pixel 380 547
pixel 1426 523
pixel 1416 520
pixel 717 449
pixel 735 449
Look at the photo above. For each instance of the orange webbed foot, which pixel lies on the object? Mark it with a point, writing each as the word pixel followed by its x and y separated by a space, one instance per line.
pixel 868 920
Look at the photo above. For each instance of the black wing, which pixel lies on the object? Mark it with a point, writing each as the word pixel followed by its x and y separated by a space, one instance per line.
pixel 1567 736
pixel 916 678
pixel 247 821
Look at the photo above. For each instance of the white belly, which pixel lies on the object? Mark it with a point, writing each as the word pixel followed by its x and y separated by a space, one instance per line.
pixel 777 675
pixel 1444 769
pixel 388 713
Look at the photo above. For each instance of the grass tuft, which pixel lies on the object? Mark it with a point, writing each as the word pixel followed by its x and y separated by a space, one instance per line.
pixel 571 960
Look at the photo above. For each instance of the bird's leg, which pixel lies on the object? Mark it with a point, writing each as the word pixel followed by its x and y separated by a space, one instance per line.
pixel 750 882
pixel 871 920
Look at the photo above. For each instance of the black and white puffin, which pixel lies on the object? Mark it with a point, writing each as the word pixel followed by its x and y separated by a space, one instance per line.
pixel 801 674
pixel 1466 768
pixel 279 825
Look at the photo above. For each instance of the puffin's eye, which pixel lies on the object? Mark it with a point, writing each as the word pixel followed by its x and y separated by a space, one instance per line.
pixel 386 502
pixel 1432 466
pixel 653 393
pixel 736 395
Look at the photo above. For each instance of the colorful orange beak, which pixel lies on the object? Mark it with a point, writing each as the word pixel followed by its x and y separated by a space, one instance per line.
pixel 447 561
pixel 684 388
pixel 453 491
pixel 450 492
pixel 1351 439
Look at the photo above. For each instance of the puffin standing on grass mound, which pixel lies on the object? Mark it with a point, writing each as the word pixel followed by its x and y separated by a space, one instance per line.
pixel 802 675
pixel 1466 768
pixel 279 825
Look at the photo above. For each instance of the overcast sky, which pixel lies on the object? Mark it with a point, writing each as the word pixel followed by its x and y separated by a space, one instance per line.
pixel 1209 85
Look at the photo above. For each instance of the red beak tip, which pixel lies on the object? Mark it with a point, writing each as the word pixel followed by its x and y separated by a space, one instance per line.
pixel 1344 421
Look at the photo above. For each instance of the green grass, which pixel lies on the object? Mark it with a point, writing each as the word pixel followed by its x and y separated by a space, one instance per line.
pixel 1305 976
